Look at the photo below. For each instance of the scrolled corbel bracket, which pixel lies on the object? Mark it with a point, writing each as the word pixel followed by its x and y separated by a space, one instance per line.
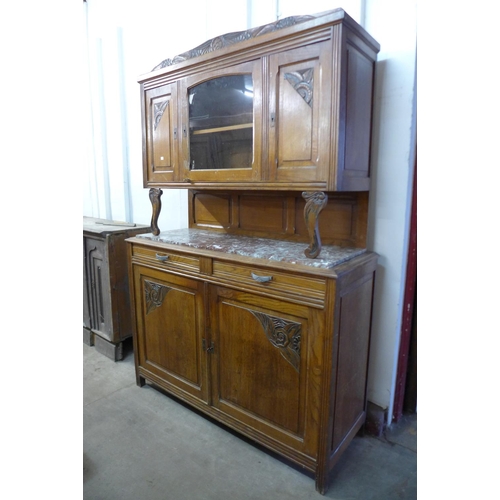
pixel 315 202
pixel 154 197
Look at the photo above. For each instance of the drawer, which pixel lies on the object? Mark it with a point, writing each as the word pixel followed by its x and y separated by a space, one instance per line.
pixel 306 287
pixel 165 259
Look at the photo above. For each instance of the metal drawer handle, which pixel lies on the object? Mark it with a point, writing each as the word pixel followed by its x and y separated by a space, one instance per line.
pixel 261 279
pixel 162 258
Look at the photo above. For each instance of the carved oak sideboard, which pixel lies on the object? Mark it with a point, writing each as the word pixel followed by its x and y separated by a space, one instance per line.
pixel 258 314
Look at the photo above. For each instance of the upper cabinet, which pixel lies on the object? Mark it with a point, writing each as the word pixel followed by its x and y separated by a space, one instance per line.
pixel 286 106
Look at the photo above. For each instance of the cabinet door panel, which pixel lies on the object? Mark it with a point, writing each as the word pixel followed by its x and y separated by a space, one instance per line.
pixel 221 119
pixel 170 329
pixel 86 291
pixel 299 107
pixel 260 377
pixel 267 383
pixel 99 294
pixel 161 134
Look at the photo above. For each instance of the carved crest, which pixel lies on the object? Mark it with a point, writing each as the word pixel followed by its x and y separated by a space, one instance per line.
pixel 283 334
pixel 155 294
pixel 302 82
pixel 230 38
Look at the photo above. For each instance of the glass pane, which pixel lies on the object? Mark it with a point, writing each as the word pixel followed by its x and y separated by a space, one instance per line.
pixel 221 123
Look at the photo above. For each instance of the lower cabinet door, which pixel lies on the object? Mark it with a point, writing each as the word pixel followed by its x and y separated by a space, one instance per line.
pixel 260 374
pixel 170 326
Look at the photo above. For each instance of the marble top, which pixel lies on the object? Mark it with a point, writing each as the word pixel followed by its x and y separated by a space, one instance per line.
pixel 261 248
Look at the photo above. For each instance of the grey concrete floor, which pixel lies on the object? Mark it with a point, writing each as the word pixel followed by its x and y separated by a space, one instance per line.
pixel 139 443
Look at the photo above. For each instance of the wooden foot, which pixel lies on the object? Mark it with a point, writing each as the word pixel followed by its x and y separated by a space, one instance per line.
pixel 109 349
pixel 315 202
pixel 88 336
pixel 154 196
pixel 322 485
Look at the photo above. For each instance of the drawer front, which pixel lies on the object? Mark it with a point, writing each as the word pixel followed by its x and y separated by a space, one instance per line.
pixel 305 288
pixel 165 259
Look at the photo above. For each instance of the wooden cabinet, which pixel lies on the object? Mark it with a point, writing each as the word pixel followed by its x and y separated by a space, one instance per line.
pixel 106 302
pixel 275 350
pixel 235 315
pixel 308 83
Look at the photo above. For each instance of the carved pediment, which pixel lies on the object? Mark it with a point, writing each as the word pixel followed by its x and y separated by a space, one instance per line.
pixel 222 41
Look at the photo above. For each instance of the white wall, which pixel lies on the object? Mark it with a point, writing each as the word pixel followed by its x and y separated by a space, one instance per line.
pixel 392 163
pixel 131 37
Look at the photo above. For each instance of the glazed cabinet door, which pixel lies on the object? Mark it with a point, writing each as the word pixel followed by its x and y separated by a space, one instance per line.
pixel 169 329
pixel 299 114
pixel 160 142
pixel 265 374
pixel 221 125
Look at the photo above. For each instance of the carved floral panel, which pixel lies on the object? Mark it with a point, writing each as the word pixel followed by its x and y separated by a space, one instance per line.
pixel 284 335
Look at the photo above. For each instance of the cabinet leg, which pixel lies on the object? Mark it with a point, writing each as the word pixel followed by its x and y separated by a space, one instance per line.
pixel 315 202
pixel 109 349
pixel 141 381
pixel 322 483
pixel 88 336
pixel 154 196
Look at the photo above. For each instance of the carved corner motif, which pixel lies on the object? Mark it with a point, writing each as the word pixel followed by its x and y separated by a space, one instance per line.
pixel 284 335
pixel 303 83
pixel 231 38
pixel 155 294
pixel 159 109
pixel 315 202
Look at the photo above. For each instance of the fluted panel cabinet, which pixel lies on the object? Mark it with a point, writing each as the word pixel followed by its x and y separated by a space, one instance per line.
pixel 106 294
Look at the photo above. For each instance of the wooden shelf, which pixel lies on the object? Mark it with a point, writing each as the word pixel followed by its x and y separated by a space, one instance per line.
pixel 222 129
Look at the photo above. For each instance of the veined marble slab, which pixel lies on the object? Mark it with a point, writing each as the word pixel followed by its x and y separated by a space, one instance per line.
pixel 261 248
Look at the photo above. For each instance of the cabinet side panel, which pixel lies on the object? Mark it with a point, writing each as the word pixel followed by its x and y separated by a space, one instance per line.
pixel 358 123
pixel 352 358
pixel 120 297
